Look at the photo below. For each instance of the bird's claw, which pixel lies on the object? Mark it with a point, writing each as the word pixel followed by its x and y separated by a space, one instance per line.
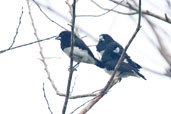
pixel 73 69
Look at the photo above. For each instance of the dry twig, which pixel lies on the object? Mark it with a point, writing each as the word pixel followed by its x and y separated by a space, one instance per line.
pixel 16 33
pixel 146 12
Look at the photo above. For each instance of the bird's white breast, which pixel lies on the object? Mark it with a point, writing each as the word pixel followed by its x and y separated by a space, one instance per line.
pixel 80 55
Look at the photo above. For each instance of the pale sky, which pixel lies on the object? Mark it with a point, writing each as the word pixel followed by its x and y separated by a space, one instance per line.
pixel 22 73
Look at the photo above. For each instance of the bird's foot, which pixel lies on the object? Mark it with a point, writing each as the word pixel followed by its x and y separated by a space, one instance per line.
pixel 73 69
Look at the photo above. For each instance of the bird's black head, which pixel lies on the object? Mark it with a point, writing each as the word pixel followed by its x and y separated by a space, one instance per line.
pixel 65 38
pixel 104 40
pixel 64 35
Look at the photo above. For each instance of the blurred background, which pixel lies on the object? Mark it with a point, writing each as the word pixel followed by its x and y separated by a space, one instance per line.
pixel 23 73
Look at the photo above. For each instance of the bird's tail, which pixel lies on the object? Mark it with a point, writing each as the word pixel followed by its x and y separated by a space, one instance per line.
pixel 142 76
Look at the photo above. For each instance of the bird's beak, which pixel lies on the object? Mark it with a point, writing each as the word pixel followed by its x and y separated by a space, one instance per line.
pixel 58 38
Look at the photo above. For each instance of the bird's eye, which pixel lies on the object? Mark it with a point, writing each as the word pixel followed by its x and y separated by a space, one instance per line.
pixel 101 38
pixel 116 50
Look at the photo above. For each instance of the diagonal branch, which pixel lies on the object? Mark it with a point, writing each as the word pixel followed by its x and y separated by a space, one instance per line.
pixel 48 16
pixel 113 80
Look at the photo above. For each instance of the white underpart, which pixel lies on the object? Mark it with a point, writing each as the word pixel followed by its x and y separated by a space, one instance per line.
pixel 80 55
pixel 101 52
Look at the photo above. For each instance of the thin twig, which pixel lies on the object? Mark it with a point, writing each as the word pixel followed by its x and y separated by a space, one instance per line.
pixel 48 16
pixel 72 90
pixel 146 12
pixel 40 47
pixel 5 50
pixel 162 49
pixel 153 71
pixel 113 77
pixel 16 33
pixel 71 58
pixel 46 99
pixel 67 20
pixel 81 106
pixel 107 10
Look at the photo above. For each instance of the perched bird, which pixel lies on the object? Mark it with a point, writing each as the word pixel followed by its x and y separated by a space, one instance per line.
pixel 81 51
pixel 104 40
pixel 110 58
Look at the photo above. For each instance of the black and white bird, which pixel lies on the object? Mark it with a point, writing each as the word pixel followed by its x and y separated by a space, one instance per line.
pixel 104 40
pixel 110 58
pixel 81 51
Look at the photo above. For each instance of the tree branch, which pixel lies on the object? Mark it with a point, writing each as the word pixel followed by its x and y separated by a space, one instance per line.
pixel 5 50
pixel 107 10
pixel 71 58
pixel 16 30
pixel 48 16
pixel 114 79
pixel 46 99
pixel 146 12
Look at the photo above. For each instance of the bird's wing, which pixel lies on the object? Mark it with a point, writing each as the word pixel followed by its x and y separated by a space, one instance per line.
pixel 79 43
pixel 110 65
pixel 132 63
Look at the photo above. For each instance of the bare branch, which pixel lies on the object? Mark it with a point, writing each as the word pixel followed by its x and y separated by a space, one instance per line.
pixel 114 79
pixel 16 33
pixel 81 105
pixel 40 47
pixel 72 90
pixel 46 99
pixel 162 49
pixel 48 16
pixel 107 10
pixel 153 71
pixel 146 12
pixel 67 20
pixel 71 58
pixel 5 50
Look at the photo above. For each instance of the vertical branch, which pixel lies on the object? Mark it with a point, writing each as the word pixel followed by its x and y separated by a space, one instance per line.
pixel 113 80
pixel 71 58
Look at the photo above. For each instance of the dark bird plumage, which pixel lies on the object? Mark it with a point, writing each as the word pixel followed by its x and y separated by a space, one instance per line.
pixel 110 58
pixel 81 51
pixel 104 40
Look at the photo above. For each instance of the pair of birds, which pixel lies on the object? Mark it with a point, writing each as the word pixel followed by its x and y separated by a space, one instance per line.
pixel 109 49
